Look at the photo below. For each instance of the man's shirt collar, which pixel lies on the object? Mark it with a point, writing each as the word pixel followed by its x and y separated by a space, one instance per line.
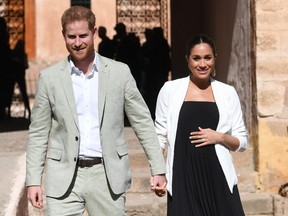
pixel 76 71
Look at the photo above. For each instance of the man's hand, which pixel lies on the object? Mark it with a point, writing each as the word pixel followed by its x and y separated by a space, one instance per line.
pixel 158 184
pixel 34 195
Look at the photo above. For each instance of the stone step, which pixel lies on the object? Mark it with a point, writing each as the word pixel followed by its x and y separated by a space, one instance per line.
pixel 138 160
pixel 247 176
pixel 145 204
pixel 148 204
pixel 254 204
pixel 247 180
pixel 140 181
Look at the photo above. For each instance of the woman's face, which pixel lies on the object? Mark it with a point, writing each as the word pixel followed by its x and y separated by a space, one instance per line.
pixel 201 61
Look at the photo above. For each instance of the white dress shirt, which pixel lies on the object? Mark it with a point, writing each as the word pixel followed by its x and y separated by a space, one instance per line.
pixel 86 98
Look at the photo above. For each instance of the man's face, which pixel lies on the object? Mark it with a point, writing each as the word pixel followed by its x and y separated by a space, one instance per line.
pixel 79 40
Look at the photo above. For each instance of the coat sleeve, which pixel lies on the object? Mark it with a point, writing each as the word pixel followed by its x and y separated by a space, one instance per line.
pixel 161 116
pixel 238 125
pixel 39 130
pixel 140 119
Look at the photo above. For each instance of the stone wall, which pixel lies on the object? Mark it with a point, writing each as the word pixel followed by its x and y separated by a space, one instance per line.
pixel 272 85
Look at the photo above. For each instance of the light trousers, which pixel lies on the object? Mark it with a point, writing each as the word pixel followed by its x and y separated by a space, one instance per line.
pixel 91 192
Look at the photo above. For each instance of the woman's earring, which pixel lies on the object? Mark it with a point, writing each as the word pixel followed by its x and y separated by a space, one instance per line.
pixel 213 73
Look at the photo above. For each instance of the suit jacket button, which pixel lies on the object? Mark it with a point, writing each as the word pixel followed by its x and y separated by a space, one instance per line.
pixel 76 138
pixel 75 159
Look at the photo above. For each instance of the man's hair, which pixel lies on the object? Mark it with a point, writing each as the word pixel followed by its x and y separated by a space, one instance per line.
pixel 78 13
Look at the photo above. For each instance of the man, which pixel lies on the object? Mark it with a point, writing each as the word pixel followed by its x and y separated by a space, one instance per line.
pixel 79 108
pixel 106 46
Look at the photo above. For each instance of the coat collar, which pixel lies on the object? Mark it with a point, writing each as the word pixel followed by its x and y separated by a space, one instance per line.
pixel 103 83
pixel 65 77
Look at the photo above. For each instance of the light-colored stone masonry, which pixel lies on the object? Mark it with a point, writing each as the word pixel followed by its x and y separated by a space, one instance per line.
pixel 272 87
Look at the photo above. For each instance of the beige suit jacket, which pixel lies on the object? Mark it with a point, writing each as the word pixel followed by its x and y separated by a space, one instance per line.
pixel 54 130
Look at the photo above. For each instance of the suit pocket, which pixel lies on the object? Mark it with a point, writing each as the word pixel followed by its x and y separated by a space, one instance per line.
pixel 54 154
pixel 122 150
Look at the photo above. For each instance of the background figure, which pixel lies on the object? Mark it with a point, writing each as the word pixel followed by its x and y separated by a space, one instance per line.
pixel 105 47
pixel 199 120
pixel 127 50
pixel 146 50
pixel 5 69
pixel 19 67
pixel 159 67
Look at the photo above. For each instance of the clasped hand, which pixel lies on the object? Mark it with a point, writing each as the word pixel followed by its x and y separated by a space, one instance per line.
pixel 158 185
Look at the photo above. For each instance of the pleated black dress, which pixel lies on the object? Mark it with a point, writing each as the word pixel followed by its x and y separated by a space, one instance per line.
pixel 199 186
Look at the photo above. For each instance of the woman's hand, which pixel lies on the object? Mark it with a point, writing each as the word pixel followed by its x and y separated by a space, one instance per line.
pixel 208 136
pixel 205 137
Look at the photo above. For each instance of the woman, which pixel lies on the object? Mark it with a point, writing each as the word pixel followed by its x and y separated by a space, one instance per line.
pixel 200 121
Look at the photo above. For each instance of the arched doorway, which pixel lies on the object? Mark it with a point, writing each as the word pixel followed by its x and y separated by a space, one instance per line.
pixel 231 24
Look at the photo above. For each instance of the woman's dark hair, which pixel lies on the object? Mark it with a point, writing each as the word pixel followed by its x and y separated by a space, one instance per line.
pixel 199 39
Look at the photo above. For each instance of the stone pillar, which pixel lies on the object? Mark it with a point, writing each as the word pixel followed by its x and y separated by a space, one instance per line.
pixel 272 86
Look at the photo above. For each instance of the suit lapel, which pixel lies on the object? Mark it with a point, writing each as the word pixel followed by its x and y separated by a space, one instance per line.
pixel 66 81
pixel 103 82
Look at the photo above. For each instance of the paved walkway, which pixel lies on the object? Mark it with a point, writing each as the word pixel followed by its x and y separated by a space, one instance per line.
pixel 13 142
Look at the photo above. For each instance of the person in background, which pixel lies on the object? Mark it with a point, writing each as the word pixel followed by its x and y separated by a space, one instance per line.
pixel 105 47
pixel 159 67
pixel 19 67
pixel 79 110
pixel 127 50
pixel 199 120
pixel 5 71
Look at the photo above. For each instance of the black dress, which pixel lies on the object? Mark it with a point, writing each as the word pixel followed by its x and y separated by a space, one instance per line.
pixel 199 186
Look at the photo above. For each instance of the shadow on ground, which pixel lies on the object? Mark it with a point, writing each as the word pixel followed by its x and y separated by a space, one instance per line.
pixel 14 124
